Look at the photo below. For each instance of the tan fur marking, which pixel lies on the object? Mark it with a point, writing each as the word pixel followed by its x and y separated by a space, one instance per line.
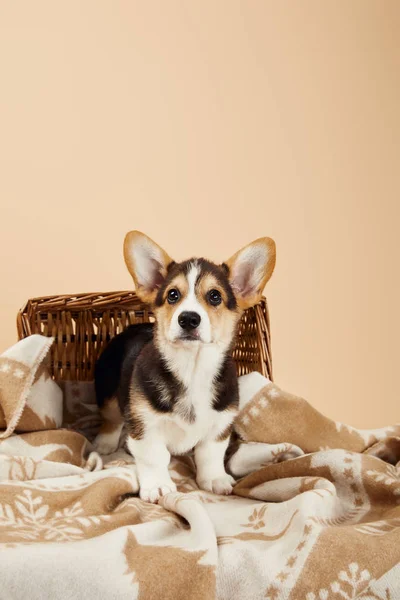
pixel 206 283
pixel 112 417
pixel 138 406
pixel 223 321
pixel 225 434
pixel 165 312
pixel 107 428
pixel 110 411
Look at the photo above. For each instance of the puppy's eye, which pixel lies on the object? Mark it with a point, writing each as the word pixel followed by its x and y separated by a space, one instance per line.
pixel 214 297
pixel 173 296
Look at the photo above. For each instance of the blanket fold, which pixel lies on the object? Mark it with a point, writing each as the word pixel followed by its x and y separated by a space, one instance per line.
pixel 29 399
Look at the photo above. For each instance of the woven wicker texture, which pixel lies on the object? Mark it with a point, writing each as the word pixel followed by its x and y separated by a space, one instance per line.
pixel 82 326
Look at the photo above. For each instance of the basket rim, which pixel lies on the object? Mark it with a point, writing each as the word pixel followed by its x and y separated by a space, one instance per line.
pixel 66 317
pixel 72 298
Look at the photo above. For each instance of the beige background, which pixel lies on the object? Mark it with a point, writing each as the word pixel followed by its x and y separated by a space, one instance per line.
pixel 207 124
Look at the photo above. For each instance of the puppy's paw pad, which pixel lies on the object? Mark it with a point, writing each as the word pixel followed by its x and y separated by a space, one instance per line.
pixel 221 485
pixel 104 445
pixel 153 494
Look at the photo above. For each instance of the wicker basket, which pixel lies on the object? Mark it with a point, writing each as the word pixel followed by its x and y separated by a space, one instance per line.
pixel 82 326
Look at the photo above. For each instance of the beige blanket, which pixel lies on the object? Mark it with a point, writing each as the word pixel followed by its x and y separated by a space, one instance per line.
pixel 315 515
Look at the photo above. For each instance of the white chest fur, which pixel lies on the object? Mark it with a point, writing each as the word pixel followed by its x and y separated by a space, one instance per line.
pixel 193 418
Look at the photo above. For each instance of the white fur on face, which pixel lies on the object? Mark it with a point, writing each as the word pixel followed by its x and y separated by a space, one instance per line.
pixel 191 304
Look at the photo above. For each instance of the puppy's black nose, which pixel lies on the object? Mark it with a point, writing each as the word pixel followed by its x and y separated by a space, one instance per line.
pixel 189 320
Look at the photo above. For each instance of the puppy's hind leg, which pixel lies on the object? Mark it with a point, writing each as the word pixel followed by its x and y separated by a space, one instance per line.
pixel 107 440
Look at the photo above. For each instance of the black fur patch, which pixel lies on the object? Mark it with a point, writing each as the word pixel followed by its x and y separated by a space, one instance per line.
pixel 157 382
pixel 226 386
pixel 108 371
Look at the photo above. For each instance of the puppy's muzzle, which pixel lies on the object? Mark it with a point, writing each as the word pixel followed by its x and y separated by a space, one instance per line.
pixel 189 321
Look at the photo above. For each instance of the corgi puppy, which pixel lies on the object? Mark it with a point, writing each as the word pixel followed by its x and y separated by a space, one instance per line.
pixel 173 384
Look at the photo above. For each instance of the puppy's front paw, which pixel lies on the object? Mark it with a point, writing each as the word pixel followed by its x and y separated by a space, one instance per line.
pixel 105 444
pixel 154 493
pixel 221 485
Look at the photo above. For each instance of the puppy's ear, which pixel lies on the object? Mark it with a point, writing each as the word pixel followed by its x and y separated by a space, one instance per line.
pixel 147 263
pixel 250 269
